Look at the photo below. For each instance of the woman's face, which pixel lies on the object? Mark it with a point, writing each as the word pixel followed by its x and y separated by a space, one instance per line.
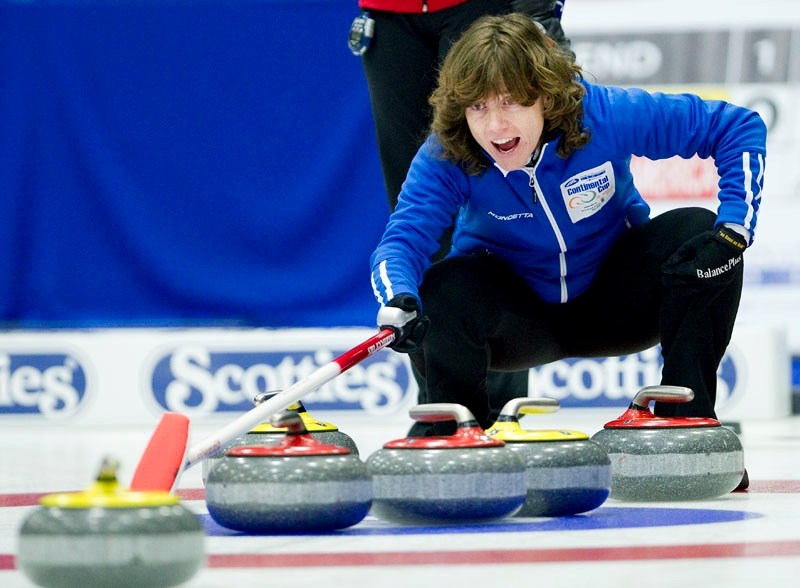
pixel 507 131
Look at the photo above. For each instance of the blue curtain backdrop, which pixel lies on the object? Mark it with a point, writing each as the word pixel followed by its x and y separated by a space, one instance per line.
pixel 176 162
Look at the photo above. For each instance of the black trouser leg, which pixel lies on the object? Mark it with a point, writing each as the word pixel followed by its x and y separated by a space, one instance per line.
pixel 696 328
pixel 401 68
pixel 693 325
pixel 476 304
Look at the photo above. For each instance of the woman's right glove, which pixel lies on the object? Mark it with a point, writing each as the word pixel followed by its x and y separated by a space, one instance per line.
pixel 402 315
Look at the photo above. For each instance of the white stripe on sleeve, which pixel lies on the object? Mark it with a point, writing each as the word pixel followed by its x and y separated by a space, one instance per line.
pixel 387 283
pixel 375 290
pixel 748 190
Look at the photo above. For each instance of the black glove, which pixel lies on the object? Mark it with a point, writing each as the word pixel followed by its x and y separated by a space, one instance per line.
pixel 402 315
pixel 709 259
pixel 548 14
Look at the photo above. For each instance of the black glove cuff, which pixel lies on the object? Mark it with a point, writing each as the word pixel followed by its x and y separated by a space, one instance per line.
pixel 732 239
pixel 407 302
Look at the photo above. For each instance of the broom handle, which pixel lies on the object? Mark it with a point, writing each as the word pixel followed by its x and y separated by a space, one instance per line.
pixel 282 400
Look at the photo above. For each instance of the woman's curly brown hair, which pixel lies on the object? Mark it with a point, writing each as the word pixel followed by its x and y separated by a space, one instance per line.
pixel 510 55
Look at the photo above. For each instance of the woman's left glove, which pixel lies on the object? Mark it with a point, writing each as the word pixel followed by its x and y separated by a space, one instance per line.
pixel 402 315
pixel 709 259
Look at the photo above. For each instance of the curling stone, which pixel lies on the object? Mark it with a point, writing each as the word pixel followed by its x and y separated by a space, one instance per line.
pixel 267 434
pixel 669 458
pixel 109 537
pixel 298 485
pixel 461 478
pixel 567 472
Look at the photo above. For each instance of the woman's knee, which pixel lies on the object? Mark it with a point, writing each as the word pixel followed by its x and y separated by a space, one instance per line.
pixel 665 233
pixel 687 222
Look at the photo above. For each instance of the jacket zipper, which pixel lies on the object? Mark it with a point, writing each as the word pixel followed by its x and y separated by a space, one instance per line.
pixel 533 188
pixel 562 258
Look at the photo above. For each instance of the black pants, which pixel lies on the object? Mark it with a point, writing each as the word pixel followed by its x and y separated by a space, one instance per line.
pixel 483 315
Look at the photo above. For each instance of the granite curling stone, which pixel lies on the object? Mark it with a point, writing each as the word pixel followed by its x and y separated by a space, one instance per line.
pixel 461 478
pixel 267 434
pixel 109 537
pixel 298 485
pixel 669 458
pixel 567 472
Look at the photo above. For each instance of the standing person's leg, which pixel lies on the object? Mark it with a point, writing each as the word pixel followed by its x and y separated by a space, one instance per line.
pixel 400 68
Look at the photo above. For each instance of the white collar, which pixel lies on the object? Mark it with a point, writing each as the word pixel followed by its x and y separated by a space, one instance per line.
pixel 531 162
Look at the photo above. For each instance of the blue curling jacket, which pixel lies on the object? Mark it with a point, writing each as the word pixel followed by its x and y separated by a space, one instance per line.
pixel 554 223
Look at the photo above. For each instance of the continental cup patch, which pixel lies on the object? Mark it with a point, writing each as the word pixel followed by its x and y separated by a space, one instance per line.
pixel 589 191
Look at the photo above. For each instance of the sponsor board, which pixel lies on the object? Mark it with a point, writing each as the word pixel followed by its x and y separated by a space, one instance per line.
pixel 753 379
pixel 129 377
pixel 199 380
pixel 50 384
pixel 613 381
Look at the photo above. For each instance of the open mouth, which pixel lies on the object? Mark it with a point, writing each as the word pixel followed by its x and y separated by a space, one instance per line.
pixel 506 145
